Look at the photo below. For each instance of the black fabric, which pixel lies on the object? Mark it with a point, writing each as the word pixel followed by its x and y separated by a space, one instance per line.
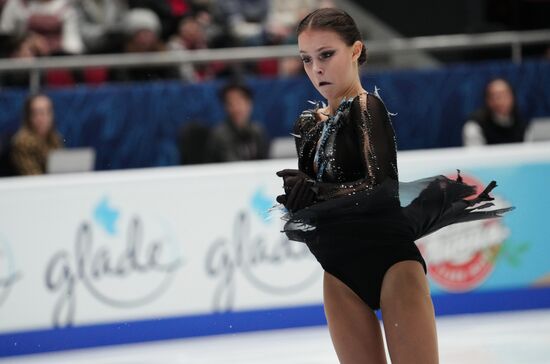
pixel 497 134
pixel 363 220
pixel 228 143
pixel 192 142
pixel 363 149
pixel 299 190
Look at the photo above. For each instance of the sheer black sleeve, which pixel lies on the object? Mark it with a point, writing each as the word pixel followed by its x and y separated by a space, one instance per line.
pixel 306 136
pixel 372 123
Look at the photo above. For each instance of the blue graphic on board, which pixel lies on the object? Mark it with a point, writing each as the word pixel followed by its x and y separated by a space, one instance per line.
pixel 106 216
pixel 261 203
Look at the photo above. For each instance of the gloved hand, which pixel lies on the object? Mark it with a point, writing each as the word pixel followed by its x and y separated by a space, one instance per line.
pixel 290 177
pixel 299 190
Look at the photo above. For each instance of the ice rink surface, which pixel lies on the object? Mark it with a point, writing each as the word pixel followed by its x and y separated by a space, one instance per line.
pixel 521 337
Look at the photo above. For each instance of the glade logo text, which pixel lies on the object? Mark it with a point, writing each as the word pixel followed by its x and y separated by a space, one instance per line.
pixel 8 274
pixel 265 258
pixel 123 272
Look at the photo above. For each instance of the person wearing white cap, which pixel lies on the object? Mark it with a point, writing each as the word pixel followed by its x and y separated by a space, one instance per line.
pixel 142 31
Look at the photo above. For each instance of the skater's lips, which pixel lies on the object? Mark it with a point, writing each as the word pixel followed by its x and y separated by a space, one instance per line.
pixel 324 83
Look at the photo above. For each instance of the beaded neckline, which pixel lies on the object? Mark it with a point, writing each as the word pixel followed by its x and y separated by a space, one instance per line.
pixel 322 105
pixel 330 127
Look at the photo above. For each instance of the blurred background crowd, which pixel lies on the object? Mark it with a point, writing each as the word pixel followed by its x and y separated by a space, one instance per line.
pixel 240 129
pixel 39 28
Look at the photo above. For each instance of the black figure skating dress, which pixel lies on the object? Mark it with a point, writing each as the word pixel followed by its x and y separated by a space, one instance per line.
pixel 362 220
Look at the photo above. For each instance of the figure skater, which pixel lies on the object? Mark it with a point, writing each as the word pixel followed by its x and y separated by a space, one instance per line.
pixel 346 204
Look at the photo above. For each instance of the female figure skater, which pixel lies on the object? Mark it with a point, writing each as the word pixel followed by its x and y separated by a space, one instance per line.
pixel 346 204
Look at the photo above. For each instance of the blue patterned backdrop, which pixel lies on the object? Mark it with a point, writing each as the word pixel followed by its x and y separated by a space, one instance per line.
pixel 137 125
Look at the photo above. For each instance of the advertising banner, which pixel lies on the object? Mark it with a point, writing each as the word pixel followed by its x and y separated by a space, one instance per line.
pixel 184 251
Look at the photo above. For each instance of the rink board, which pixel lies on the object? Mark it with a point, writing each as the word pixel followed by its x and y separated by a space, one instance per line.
pixel 130 256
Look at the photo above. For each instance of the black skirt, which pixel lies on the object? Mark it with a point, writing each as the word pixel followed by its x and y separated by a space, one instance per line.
pixel 358 237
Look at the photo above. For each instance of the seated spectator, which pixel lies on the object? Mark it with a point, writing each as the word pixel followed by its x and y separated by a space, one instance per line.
pixel 37 136
pixel 34 45
pixel 100 24
pixel 284 16
pixel 168 11
pixel 243 19
pixel 23 47
pixel 237 138
pixel 498 121
pixel 191 36
pixel 142 30
pixel 55 20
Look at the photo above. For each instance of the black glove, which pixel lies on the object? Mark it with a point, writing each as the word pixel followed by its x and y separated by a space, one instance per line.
pixel 290 177
pixel 299 190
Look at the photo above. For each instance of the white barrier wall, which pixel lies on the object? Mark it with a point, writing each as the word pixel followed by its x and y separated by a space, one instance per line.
pixel 108 248
pixel 143 244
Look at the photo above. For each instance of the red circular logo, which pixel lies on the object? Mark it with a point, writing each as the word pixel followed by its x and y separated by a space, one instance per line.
pixel 461 256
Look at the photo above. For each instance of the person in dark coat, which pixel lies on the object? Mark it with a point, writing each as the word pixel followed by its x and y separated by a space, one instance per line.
pixel 238 138
pixel 498 121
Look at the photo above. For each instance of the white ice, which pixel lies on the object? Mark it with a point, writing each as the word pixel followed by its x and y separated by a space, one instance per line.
pixel 521 337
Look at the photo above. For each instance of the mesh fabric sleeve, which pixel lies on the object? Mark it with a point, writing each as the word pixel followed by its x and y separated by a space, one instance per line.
pixel 373 127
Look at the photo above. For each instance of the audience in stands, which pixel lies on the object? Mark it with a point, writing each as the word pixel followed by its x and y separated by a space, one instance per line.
pixel 126 26
pixel 284 16
pixel 55 20
pixel 100 24
pixel 142 32
pixel 237 138
pixel 191 36
pixel 21 47
pixel 169 13
pixel 498 121
pixel 243 19
pixel 36 137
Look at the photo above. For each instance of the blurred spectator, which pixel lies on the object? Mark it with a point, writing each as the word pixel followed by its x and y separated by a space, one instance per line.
pixel 55 20
pixel 23 47
pixel 190 36
pixel 36 137
pixel 100 23
pixel 290 67
pixel 498 121
pixel 169 13
pixel 142 30
pixel 34 45
pixel 284 16
pixel 237 138
pixel 243 19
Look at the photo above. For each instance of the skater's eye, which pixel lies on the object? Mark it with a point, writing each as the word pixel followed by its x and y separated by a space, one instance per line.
pixel 326 54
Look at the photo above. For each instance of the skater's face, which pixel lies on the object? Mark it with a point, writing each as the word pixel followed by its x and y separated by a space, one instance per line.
pixel 329 62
